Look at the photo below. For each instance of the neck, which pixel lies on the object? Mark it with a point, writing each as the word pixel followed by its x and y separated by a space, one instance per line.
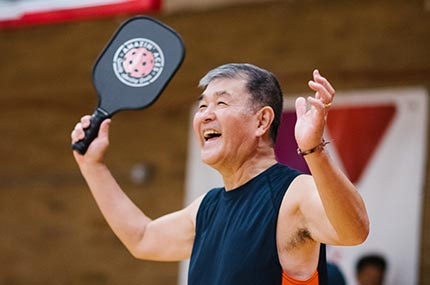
pixel 240 173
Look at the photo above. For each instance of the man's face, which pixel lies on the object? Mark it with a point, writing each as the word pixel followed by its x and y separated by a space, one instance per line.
pixel 370 275
pixel 225 123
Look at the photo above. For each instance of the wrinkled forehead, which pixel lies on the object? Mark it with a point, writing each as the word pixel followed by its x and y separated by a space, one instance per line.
pixel 225 87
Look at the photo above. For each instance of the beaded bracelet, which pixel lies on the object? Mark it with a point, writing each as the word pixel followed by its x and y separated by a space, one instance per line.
pixel 312 150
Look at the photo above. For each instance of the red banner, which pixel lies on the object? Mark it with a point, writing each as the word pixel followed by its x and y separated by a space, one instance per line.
pixel 27 12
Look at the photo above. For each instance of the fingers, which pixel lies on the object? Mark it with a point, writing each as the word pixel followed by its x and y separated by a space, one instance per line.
pixel 86 121
pixel 78 132
pixel 317 104
pixel 324 91
pixel 322 80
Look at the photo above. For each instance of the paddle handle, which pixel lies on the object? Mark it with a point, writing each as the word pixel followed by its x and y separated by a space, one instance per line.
pixel 91 132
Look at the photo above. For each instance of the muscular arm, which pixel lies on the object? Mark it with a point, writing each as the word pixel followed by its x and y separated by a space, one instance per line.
pixel 168 238
pixel 332 209
pixel 323 207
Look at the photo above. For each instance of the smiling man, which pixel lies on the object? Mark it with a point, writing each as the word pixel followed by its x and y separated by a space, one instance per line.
pixel 268 224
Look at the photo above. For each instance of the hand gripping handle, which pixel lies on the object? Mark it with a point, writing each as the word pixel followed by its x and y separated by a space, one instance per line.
pixel 91 132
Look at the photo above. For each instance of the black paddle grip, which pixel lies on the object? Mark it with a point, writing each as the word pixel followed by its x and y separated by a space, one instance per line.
pixel 91 132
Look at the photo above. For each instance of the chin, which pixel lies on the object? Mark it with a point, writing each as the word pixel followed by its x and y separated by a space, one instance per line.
pixel 209 159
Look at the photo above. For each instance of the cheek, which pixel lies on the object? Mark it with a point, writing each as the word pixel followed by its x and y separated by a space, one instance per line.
pixel 236 135
pixel 196 124
pixel 239 126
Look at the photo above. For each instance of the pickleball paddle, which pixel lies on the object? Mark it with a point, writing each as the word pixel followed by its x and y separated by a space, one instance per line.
pixel 132 70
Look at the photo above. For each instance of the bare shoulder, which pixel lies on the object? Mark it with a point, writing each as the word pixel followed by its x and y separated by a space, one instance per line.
pixel 191 210
pixel 298 251
pixel 300 189
pixel 291 222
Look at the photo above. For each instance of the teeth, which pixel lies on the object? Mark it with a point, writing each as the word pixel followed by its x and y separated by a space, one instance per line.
pixel 210 133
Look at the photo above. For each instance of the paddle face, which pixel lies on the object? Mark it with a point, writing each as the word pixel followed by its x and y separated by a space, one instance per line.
pixel 136 64
pixel 132 70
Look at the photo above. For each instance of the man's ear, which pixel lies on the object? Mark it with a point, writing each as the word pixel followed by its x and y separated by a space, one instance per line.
pixel 265 117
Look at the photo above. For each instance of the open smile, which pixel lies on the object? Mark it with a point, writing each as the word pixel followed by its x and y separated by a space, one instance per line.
pixel 211 134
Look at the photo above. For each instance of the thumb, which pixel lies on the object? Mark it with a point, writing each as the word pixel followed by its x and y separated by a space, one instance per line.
pixel 300 107
pixel 104 129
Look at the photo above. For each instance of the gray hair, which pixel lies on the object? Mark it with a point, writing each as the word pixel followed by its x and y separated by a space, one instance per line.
pixel 263 86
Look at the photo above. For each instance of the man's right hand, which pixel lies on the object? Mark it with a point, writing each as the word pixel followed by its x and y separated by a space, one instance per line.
pixel 98 146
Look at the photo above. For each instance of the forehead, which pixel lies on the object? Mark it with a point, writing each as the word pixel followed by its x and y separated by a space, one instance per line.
pixel 225 87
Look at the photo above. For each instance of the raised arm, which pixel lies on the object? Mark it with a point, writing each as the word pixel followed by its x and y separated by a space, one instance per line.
pixel 168 238
pixel 332 208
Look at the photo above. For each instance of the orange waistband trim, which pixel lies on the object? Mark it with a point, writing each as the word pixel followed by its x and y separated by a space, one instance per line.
pixel 287 280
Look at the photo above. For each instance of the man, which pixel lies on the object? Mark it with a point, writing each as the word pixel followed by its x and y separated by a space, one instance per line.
pixel 370 270
pixel 268 222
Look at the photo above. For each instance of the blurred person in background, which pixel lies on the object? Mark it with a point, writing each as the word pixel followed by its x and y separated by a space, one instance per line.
pixel 370 269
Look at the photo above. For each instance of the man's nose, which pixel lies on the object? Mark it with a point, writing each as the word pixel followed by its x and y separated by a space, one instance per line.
pixel 209 114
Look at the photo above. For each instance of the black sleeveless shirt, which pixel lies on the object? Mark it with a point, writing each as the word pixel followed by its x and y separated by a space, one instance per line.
pixel 235 240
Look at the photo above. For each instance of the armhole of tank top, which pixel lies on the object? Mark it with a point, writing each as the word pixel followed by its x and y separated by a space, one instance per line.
pixel 202 210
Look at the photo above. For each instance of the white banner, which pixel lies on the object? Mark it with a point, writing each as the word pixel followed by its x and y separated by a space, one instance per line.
pixel 391 181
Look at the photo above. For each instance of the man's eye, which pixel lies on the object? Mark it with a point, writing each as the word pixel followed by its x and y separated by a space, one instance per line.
pixel 222 103
pixel 202 106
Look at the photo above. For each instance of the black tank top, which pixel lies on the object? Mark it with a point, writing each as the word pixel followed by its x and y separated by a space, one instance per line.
pixel 235 240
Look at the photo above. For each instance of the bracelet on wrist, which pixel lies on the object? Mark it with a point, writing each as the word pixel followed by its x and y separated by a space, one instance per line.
pixel 312 150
